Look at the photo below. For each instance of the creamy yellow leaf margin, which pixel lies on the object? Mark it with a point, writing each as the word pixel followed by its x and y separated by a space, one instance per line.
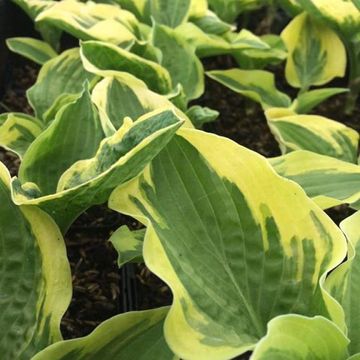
pixel 18 131
pixel 112 91
pixel 316 53
pixel 328 181
pixel 302 338
pixel 39 322
pixel 285 201
pixel 133 335
pixel 344 282
pixel 314 133
pixel 91 21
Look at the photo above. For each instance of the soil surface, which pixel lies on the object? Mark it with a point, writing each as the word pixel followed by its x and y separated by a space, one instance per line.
pixel 100 289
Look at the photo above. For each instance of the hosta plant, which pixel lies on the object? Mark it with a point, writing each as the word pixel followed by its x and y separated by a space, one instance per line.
pixel 253 262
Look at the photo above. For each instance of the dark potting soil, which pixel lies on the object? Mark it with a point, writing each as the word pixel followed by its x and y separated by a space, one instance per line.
pixel 99 288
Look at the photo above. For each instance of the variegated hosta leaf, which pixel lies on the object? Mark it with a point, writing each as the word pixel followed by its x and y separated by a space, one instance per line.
pixel 314 133
pixel 35 286
pixel 307 101
pixel 75 134
pixel 201 115
pixel 258 58
pixel 257 85
pixel 33 8
pixel 126 96
pixel 18 131
pixel 344 281
pixel 170 13
pixel 33 49
pixel 128 244
pixel 229 10
pixel 210 23
pixel 211 45
pixel 301 338
pixel 61 75
pixel 134 335
pixel 219 235
pixel 106 59
pixel 179 58
pixel 342 15
pixel 91 21
pixel 328 181
pixel 89 182
pixel 316 54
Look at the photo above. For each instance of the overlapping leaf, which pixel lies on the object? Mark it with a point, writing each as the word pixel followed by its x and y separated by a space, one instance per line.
pixel 106 60
pixel 179 58
pixel 126 96
pixel 18 131
pixel 302 338
pixel 35 286
pixel 72 187
pixel 344 282
pixel 91 21
pixel 59 77
pixel 219 235
pixel 137 335
pixel 315 133
pixel 33 49
pixel 327 180
pixel 211 44
pixel 258 85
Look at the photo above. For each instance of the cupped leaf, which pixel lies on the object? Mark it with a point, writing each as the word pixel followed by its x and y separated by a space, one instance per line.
pixel 302 338
pixel 106 60
pixel 327 180
pixel 344 281
pixel 128 244
pixel 18 131
pixel 91 21
pixel 126 96
pixel 170 13
pixel 315 133
pixel 307 101
pixel 35 286
pixel 118 159
pixel 316 53
pixel 257 85
pixel 61 75
pixel 134 335
pixel 219 235
pixel 75 134
pixel 33 49
pixel 179 58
